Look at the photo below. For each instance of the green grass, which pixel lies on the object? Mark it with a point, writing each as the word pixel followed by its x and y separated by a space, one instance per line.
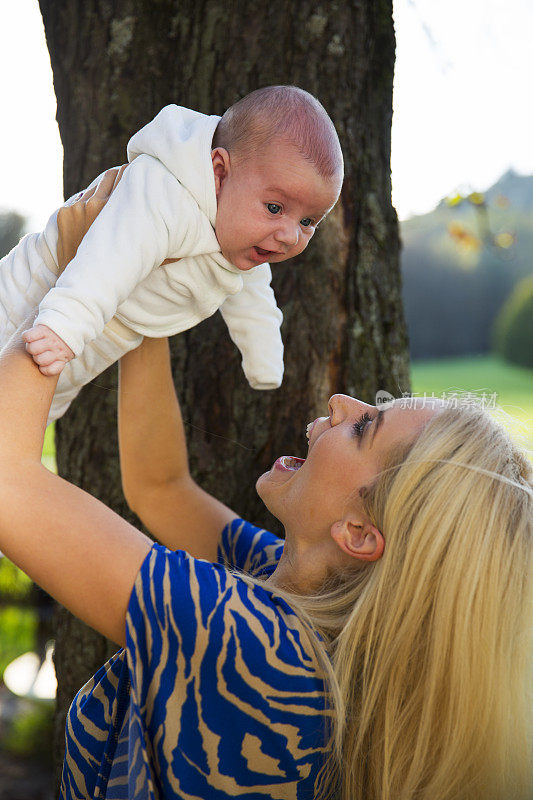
pixel 512 385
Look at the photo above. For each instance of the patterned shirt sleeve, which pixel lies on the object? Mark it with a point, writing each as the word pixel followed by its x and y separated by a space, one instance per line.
pixel 245 547
pixel 226 699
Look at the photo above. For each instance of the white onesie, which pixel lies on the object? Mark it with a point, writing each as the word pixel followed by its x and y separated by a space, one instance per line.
pixel 115 290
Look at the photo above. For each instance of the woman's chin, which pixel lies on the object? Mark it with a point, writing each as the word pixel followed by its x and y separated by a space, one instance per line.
pixel 266 489
pixel 260 483
pixel 270 486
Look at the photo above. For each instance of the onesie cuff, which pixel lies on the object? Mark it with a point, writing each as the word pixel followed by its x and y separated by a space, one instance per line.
pixel 265 383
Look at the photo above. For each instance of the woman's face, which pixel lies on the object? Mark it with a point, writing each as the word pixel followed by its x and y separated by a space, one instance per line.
pixel 346 450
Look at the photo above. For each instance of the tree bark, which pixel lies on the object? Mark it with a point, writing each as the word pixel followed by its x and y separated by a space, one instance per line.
pixel 115 65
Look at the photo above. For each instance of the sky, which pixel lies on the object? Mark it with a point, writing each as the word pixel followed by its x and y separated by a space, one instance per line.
pixel 462 97
pixel 462 110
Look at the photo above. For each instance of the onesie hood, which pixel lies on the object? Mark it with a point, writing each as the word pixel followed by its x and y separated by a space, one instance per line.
pixel 181 139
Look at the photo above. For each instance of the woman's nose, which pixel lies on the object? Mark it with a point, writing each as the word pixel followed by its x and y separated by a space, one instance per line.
pixel 342 405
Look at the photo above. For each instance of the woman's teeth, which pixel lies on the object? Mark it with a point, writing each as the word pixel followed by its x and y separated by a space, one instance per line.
pixel 308 430
pixel 289 462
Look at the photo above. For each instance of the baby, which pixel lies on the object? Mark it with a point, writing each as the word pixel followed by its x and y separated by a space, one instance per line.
pixel 201 207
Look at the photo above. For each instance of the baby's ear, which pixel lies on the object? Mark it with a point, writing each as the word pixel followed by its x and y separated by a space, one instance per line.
pixel 220 161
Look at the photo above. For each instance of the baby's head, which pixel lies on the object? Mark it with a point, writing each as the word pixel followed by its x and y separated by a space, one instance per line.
pixel 278 170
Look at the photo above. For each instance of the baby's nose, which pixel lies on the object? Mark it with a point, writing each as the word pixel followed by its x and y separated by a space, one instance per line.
pixel 288 234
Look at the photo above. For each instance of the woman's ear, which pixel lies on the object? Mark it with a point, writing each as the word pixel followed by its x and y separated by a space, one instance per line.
pixel 220 160
pixel 358 540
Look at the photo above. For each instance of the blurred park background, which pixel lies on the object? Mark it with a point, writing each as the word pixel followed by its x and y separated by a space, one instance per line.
pixel 462 175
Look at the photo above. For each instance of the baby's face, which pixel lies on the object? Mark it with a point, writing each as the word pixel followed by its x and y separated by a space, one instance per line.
pixel 268 206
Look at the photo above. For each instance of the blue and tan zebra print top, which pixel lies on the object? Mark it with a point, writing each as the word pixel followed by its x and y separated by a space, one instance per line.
pixel 217 694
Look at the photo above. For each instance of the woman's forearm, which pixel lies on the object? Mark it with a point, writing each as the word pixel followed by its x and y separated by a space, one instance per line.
pixel 153 449
pixel 78 550
pixel 22 423
pixel 73 546
pixel 153 457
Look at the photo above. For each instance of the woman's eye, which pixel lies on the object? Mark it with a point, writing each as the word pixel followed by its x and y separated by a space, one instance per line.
pixel 274 208
pixel 306 222
pixel 358 427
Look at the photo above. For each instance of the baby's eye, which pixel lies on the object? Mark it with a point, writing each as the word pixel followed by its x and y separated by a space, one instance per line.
pixel 274 208
pixel 306 222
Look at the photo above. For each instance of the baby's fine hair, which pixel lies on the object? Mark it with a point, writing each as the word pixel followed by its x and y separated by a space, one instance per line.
pixel 281 112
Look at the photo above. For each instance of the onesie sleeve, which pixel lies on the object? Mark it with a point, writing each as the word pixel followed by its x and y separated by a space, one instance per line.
pixel 148 216
pixel 225 696
pixel 254 321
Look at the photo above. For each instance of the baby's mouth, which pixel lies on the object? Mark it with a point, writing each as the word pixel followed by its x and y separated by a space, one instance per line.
pixel 265 253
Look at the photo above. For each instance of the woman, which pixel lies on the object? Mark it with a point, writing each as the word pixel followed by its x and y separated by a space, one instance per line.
pixel 391 630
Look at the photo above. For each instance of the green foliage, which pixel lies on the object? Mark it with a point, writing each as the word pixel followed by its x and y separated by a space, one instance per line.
pixel 513 331
pixel 49 443
pixel 30 734
pixel 18 627
pixel 14 584
pixel 11 228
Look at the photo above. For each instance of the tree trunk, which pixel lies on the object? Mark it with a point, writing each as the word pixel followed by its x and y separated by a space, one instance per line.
pixel 115 65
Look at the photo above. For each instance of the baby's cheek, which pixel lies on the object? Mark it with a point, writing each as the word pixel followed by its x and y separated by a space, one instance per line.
pixel 302 244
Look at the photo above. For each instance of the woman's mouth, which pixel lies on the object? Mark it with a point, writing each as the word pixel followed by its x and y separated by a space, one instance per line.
pixel 289 463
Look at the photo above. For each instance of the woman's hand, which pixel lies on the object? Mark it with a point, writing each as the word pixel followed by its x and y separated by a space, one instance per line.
pixel 74 220
pixel 48 350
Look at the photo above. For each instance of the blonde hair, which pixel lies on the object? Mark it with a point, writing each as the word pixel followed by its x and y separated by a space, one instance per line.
pixel 428 650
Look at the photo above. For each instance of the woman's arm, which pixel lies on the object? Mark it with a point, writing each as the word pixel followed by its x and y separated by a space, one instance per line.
pixel 68 542
pixel 153 457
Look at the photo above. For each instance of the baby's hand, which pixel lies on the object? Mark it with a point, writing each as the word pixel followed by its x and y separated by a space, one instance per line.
pixel 49 351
